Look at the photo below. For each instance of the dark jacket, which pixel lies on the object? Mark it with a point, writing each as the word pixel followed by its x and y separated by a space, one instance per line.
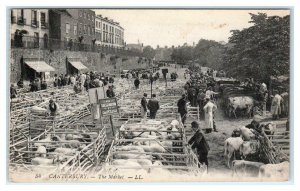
pixel 110 93
pixel 153 105
pixel 198 141
pixel 181 104
pixel 254 125
pixel 144 103
pixel 136 82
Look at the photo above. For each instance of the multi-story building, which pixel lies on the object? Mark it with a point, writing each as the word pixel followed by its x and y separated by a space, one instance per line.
pixel 110 33
pixel 86 24
pixel 32 23
pixel 98 29
pixel 63 26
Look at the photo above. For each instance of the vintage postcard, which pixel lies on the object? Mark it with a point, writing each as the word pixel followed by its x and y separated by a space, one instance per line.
pixel 149 95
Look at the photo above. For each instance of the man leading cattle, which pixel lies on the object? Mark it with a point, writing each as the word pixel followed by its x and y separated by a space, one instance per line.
pixel 209 110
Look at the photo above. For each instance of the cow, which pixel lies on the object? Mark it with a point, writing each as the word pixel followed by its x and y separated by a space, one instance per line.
pixel 231 146
pixel 247 134
pixel 240 102
pixel 249 148
pixel 246 168
pixel 280 170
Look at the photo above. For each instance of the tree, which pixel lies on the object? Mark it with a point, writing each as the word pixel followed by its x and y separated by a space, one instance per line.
pixel 148 52
pixel 209 53
pixel 261 50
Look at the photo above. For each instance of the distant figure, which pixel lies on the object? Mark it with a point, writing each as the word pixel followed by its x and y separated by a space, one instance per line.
pixel 13 91
pixel 276 105
pixel 110 92
pixel 153 106
pixel 144 107
pixel 136 83
pixel 20 83
pixel 182 108
pixel 53 108
pixel 43 85
pixel 199 143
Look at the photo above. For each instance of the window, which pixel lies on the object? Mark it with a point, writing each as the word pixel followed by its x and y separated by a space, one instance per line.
pixel 75 29
pixel 80 13
pixel 67 28
pixel 80 28
pixel 43 19
pixel 89 30
pixel 103 27
pixel 92 18
pixel 34 18
pixel 84 15
pixel 88 16
pixel 96 24
pixel 84 29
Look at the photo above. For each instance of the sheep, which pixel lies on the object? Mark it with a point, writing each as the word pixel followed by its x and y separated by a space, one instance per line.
pixel 43 142
pixel 65 151
pixel 43 161
pixel 41 150
pixel 131 156
pixel 122 162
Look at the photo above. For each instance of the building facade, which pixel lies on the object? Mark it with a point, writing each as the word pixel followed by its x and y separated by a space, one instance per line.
pixel 32 23
pixel 86 24
pixel 63 26
pixel 108 32
pixel 98 29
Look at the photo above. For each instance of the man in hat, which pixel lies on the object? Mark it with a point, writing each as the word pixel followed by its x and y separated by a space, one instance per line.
pixel 144 107
pixel 153 106
pixel 209 110
pixel 199 143
pixel 182 108
pixel 53 108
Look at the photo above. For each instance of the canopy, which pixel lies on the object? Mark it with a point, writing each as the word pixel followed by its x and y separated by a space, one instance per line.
pixel 78 65
pixel 40 66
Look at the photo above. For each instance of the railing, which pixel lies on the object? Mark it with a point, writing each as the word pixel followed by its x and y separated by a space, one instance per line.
pixel 56 44
pixel 34 23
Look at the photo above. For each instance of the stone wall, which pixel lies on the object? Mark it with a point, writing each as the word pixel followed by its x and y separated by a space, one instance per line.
pixel 99 62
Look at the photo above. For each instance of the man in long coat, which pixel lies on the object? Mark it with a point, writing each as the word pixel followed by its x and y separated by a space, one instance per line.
pixel 199 143
pixel 182 108
pixel 153 106
pixel 209 110
pixel 276 105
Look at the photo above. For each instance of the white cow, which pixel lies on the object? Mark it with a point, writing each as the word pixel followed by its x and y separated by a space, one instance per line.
pixel 249 148
pixel 275 171
pixel 240 102
pixel 245 168
pixel 232 145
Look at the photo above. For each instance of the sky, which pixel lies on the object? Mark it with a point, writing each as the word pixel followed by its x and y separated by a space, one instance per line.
pixel 175 27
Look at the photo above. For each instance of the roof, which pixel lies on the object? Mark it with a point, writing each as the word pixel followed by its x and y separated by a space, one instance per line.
pixel 40 66
pixel 78 65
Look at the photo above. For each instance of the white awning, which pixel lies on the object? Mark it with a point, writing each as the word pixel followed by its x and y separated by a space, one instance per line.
pixel 78 65
pixel 40 66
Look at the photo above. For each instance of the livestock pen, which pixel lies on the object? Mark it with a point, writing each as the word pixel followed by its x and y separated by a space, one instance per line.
pixel 70 148
pixel 150 145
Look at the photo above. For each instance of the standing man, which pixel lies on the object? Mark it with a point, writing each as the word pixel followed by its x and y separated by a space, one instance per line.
pixel 182 108
pixel 153 106
pixel 137 83
pixel 199 143
pixel 276 105
pixel 209 110
pixel 53 108
pixel 144 107
pixel 110 92
pixel 200 101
